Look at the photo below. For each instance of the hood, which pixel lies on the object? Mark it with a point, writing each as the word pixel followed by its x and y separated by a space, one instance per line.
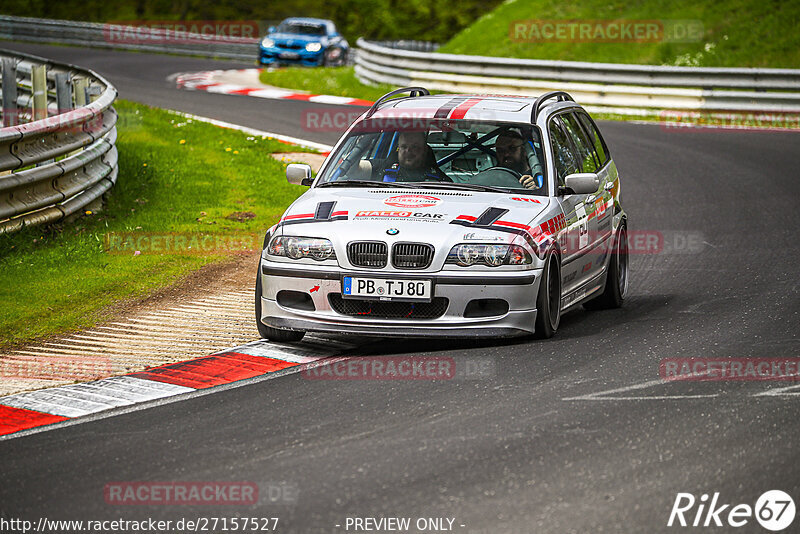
pixel 296 38
pixel 440 218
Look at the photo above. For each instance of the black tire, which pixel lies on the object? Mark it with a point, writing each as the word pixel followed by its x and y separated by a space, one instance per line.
pixel 267 332
pixel 548 301
pixel 616 288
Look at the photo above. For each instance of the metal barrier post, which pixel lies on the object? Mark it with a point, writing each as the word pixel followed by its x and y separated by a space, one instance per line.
pixel 79 86
pixel 39 89
pixel 10 111
pixel 63 92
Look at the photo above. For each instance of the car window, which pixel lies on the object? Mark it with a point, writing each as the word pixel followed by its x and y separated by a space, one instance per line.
pixel 586 158
pixel 594 135
pixel 480 153
pixel 565 160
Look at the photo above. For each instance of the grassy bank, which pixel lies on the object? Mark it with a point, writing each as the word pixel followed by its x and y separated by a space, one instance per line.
pixel 181 183
pixel 336 81
pixel 737 33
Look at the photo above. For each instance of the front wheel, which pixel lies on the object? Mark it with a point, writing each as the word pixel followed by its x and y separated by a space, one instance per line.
pixel 548 301
pixel 616 288
pixel 267 332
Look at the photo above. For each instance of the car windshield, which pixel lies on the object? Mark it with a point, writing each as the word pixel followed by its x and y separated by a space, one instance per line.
pixel 302 29
pixel 490 156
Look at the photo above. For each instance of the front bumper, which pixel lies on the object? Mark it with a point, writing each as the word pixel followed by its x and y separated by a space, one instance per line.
pixel 272 56
pixel 518 289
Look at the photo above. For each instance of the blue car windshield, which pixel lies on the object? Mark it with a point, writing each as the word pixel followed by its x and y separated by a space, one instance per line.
pixel 302 29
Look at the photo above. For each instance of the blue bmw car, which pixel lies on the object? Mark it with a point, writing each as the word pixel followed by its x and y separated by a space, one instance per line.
pixel 303 41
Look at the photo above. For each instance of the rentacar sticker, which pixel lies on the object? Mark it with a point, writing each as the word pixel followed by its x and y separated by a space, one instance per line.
pixel 412 201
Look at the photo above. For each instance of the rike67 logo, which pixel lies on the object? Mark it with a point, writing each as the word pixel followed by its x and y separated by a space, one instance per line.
pixel 774 510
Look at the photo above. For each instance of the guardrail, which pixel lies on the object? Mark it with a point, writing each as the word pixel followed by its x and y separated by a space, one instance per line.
pixel 632 89
pixel 102 36
pixel 57 152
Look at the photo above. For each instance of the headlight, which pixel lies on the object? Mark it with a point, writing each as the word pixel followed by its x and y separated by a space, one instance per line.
pixel 467 254
pixel 298 248
pixel 313 47
pixel 267 42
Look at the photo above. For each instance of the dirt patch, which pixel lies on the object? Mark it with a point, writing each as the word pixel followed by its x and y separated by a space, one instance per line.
pixel 241 216
pixel 315 160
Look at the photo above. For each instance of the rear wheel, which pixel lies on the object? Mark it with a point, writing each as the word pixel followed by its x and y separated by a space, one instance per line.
pixel 267 332
pixel 616 288
pixel 548 301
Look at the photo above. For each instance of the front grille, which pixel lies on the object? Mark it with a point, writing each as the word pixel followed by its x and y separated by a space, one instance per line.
pixel 291 46
pixel 412 255
pixel 388 310
pixel 367 254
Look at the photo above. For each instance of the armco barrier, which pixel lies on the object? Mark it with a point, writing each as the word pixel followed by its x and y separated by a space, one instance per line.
pixel 98 35
pixel 634 89
pixel 57 153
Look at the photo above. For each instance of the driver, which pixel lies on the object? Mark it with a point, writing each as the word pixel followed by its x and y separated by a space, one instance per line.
pixel 510 148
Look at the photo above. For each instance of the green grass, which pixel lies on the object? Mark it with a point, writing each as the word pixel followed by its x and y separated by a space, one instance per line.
pixel 737 33
pixel 336 81
pixel 61 278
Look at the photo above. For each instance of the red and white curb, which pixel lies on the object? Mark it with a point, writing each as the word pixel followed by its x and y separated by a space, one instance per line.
pixel 26 411
pixel 245 82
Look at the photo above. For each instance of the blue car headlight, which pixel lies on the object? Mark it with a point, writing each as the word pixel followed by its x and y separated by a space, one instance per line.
pixel 267 42
pixel 313 47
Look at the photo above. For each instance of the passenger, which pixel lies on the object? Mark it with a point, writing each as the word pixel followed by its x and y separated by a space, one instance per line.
pixel 415 161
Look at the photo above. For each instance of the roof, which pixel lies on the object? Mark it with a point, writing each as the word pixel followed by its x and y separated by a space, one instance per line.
pixel 502 108
pixel 307 20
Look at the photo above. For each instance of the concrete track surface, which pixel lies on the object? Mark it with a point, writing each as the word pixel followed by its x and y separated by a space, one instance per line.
pixel 573 434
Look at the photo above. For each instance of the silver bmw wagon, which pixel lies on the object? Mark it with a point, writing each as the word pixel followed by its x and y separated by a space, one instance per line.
pixel 450 216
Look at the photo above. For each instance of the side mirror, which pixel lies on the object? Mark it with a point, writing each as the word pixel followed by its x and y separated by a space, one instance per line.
pixel 271 29
pixel 299 174
pixel 582 183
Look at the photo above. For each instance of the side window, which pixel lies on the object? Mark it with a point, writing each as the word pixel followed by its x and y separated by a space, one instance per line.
pixel 565 160
pixel 586 159
pixel 594 135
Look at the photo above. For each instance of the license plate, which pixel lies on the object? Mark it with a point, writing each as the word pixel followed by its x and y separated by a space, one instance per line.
pixel 289 55
pixel 387 289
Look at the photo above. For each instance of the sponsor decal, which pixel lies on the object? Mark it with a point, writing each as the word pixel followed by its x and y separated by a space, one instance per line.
pixel 402 215
pixel 526 199
pixel 412 201
pixel 474 236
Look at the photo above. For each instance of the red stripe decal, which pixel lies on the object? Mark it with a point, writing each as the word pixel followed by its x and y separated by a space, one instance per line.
pixel 462 109
pixel 16 419
pixel 299 216
pixel 214 370
pixel 469 218
pixel 338 213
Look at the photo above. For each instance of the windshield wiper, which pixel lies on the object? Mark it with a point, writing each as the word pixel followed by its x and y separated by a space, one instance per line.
pixel 366 183
pixel 460 185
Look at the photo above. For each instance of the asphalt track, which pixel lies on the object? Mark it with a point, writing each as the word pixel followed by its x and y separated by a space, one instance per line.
pixel 573 434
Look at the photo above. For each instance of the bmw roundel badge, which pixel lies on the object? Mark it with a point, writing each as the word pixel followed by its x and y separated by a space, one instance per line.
pixel 392 231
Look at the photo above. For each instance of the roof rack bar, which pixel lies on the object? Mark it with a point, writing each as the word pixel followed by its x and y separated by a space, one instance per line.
pixel 414 92
pixel 560 96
